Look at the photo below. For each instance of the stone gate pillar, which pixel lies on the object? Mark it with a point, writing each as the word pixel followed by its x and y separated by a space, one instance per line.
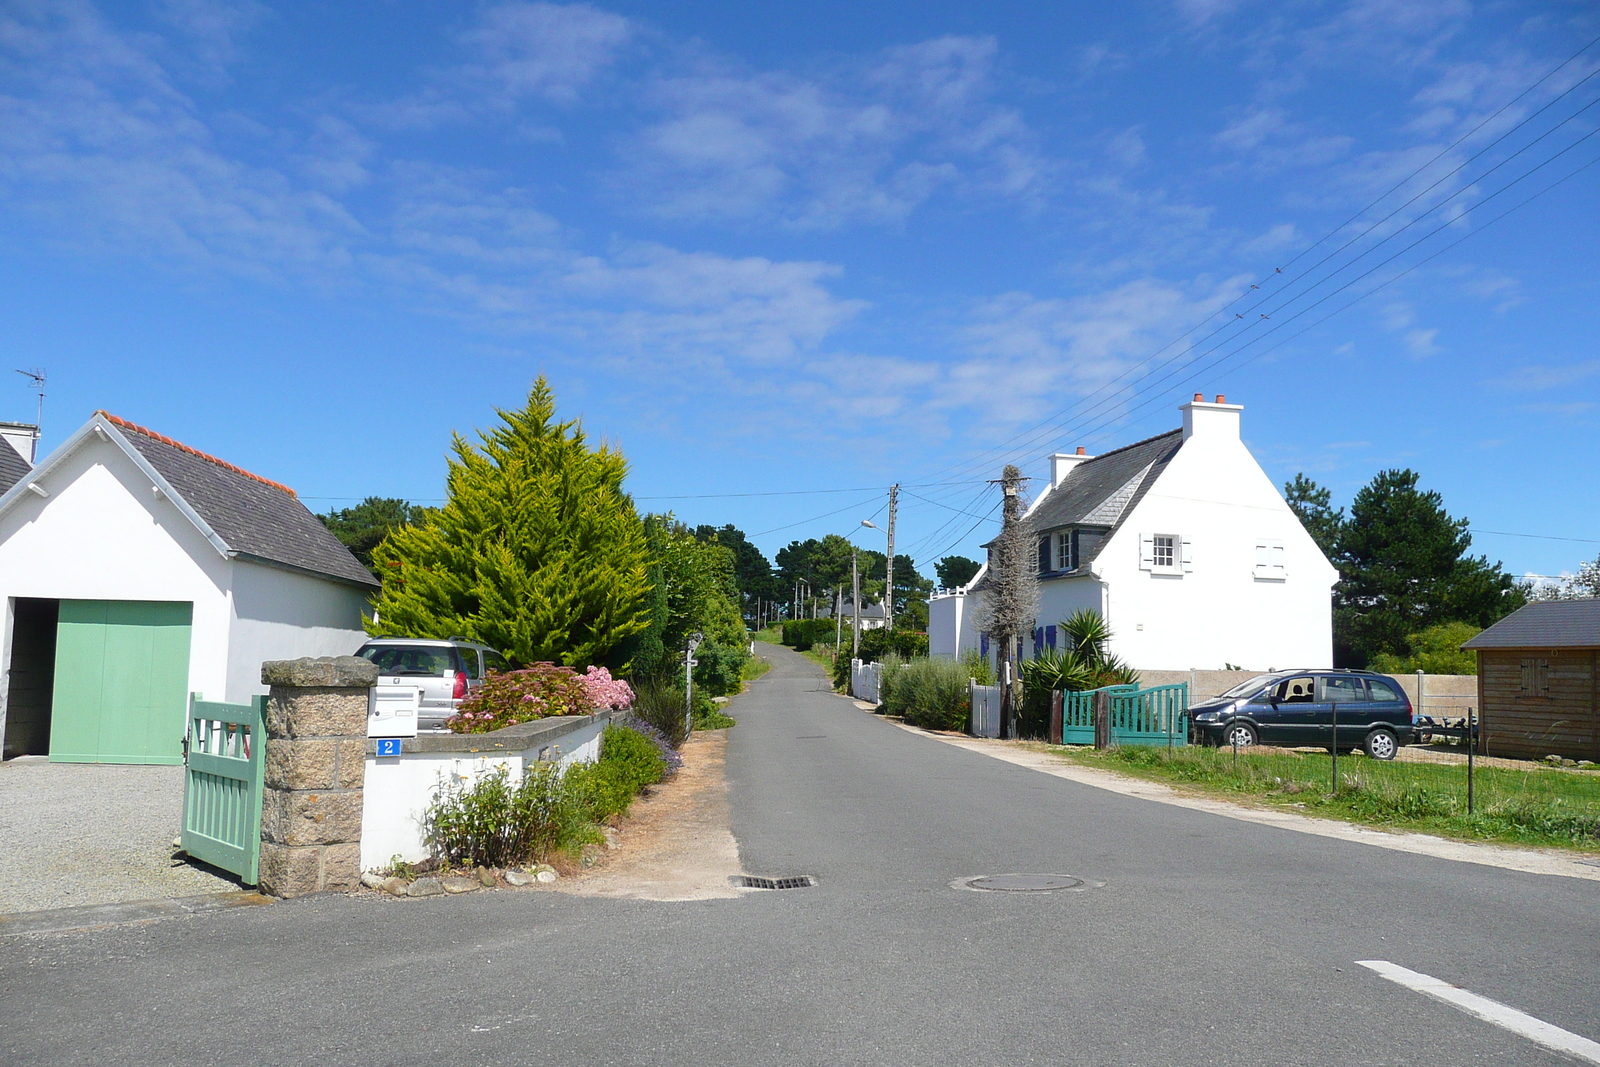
pixel 315 763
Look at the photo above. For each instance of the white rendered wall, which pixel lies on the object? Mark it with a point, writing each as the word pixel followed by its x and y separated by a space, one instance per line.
pixel 102 534
pixel 1214 495
pixel 1059 600
pixel 277 614
pixel 398 789
pixel 944 623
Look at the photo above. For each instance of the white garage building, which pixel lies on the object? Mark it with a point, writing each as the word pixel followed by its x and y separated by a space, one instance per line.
pixel 136 570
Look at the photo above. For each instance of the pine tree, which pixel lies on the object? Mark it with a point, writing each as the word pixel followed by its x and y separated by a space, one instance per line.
pixel 1314 506
pixel 1405 567
pixel 537 552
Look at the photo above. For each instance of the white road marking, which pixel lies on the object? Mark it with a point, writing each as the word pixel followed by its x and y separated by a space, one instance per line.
pixel 1508 1018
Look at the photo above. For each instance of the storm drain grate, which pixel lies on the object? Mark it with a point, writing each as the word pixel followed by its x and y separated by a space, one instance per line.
pixel 751 881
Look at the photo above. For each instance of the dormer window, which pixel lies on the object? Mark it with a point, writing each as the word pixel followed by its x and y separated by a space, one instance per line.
pixel 1066 551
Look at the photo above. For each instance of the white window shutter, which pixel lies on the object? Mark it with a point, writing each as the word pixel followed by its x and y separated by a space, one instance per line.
pixel 1188 555
pixel 1279 570
pixel 1263 558
pixel 1147 551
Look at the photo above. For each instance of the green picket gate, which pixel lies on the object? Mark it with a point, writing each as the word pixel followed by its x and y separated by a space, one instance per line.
pixel 224 760
pixel 1155 716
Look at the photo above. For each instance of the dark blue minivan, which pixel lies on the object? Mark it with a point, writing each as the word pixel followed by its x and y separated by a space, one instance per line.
pixel 1297 709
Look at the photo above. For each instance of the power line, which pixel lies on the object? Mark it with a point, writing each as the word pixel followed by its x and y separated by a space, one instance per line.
pixel 1052 423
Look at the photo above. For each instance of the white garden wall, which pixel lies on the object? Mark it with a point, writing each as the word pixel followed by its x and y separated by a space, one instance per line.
pixel 399 789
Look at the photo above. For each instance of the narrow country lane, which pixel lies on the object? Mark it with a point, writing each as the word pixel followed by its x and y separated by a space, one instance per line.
pixel 1211 941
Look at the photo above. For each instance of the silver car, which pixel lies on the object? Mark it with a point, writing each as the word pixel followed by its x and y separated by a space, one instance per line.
pixel 444 672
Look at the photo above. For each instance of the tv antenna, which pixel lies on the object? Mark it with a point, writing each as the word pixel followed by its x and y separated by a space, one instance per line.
pixel 36 376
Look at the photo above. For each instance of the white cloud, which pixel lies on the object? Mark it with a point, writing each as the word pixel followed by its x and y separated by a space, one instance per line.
pixel 863 142
pixel 545 50
pixel 1538 377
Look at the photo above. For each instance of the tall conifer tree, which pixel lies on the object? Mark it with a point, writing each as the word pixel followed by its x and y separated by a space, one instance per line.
pixel 538 552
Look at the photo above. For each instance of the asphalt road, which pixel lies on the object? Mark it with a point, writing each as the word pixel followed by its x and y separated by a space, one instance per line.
pixel 1212 941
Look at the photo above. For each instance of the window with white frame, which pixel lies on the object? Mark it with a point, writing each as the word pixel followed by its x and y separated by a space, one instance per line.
pixel 1165 553
pixel 1269 560
pixel 1065 560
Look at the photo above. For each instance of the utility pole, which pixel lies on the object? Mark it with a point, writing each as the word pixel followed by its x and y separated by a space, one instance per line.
pixel 888 572
pixel 838 617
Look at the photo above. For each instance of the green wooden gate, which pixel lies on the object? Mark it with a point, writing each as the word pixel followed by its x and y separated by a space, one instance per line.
pixel 1155 716
pixel 225 760
pixel 122 669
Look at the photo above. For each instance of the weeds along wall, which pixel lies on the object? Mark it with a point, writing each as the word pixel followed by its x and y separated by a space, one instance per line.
pixel 399 788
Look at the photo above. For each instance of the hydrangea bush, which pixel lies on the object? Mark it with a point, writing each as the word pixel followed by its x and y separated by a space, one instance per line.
pixel 538 691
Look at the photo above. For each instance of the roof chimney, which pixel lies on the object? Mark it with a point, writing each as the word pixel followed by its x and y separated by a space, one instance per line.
pixel 23 437
pixel 1061 465
pixel 1219 420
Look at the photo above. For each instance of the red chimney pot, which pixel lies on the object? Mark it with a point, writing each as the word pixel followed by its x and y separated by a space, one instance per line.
pixel 1199 398
pixel 1081 451
pixel 1221 399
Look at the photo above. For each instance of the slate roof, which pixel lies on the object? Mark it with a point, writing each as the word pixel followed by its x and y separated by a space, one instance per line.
pixel 1545 624
pixel 1102 491
pixel 259 520
pixel 13 468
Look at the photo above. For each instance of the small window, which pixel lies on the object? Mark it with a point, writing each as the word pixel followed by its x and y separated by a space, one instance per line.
pixel 469 661
pixel 1382 691
pixel 494 662
pixel 1269 559
pixel 1342 690
pixel 1064 551
pixel 1164 552
pixel 1535 678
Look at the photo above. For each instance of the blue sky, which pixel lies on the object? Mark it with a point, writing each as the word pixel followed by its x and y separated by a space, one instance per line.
pixel 783 247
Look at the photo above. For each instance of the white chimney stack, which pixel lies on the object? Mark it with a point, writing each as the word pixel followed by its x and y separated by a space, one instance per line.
pixel 23 437
pixel 1219 419
pixel 1061 465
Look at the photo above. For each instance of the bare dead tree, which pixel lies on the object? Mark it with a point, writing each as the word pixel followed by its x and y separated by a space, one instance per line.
pixel 1011 600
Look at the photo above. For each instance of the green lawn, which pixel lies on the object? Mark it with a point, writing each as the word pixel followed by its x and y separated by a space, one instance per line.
pixel 1540 806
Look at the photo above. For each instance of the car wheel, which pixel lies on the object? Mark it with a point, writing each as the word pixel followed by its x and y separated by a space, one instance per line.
pixel 1239 733
pixel 1381 744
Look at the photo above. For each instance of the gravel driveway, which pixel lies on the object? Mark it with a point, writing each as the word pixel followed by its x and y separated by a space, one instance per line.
pixel 92 833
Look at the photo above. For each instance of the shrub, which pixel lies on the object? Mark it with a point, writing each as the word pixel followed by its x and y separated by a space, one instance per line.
pixel 907 644
pixel 605 691
pixel 664 748
pixel 801 634
pixel 931 693
pixel 491 823
pixel 535 692
pixel 719 668
pixel 629 761
pixel 659 702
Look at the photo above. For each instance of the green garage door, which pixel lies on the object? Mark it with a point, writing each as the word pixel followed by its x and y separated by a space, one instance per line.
pixel 122 678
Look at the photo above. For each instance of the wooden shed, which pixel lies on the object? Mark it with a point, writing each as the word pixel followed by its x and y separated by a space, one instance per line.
pixel 1538 688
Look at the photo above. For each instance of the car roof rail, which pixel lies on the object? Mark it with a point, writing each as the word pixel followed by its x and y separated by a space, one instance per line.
pixel 458 637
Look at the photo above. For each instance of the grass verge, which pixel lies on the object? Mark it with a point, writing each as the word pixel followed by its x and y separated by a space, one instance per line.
pixel 1541 807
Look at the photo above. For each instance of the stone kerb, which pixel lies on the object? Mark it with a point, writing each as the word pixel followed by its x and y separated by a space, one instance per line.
pixel 315 769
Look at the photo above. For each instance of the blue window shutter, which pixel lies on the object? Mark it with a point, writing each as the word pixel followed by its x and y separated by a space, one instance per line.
pixel 983 641
pixel 1050 637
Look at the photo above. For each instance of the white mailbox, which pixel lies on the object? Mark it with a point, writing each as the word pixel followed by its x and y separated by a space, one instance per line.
pixel 392 711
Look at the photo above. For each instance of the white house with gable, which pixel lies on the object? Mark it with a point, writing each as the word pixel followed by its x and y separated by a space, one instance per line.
pixel 1183 545
pixel 134 571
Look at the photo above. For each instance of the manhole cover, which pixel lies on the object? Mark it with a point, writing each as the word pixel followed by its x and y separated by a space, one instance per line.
pixel 752 881
pixel 1021 883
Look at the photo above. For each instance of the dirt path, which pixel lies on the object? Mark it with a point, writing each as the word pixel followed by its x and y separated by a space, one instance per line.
pixel 676 844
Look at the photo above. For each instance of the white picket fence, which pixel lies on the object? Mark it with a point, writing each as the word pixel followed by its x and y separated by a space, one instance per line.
pixel 985 709
pixel 864 681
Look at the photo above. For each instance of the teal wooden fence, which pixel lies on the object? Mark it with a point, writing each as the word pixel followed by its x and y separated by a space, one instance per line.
pixel 224 763
pixel 1155 716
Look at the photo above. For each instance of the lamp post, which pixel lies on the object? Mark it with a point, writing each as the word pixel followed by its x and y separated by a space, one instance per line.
pixel 688 683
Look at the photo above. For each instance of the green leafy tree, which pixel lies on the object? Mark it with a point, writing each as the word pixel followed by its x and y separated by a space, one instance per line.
pixel 1404 568
pixel 537 552
pixel 1436 650
pixel 1314 506
pixel 752 571
pixel 701 594
pixel 954 571
pixel 363 527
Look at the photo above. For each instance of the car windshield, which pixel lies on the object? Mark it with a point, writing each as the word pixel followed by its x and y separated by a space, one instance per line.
pixel 1247 688
pixel 410 659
